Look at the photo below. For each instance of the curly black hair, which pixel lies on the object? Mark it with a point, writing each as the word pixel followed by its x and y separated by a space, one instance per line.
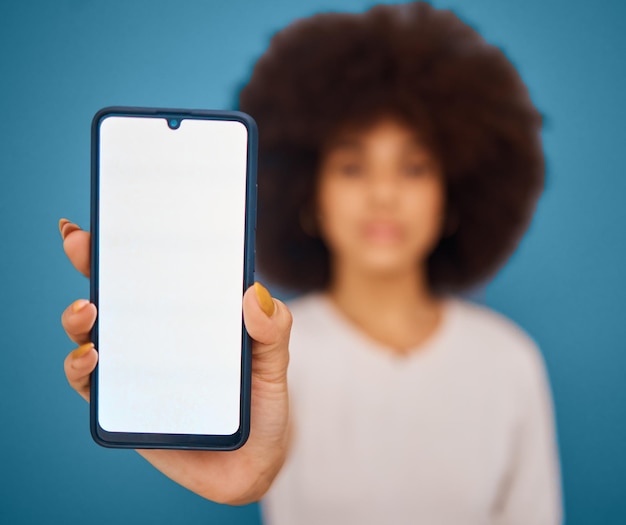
pixel 427 67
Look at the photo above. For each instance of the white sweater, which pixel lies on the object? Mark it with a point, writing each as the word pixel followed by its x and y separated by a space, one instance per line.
pixel 460 432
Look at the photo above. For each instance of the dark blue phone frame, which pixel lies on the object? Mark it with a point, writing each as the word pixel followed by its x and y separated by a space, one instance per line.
pixel 177 441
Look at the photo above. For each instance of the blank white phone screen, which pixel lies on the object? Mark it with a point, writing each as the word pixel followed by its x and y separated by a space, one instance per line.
pixel 171 255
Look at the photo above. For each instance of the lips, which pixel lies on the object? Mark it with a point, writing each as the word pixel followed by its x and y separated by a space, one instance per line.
pixel 383 232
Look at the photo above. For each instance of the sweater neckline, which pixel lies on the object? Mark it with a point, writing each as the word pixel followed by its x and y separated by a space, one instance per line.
pixel 416 353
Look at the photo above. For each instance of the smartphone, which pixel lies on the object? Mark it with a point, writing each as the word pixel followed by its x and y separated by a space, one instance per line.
pixel 173 219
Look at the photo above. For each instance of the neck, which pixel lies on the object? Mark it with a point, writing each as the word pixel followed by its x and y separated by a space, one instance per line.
pixel 397 309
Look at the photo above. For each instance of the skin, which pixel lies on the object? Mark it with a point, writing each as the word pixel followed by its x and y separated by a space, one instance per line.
pixel 380 203
pixel 238 477
pixel 380 210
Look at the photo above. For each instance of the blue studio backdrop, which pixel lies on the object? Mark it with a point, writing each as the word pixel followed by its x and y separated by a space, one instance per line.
pixel 61 61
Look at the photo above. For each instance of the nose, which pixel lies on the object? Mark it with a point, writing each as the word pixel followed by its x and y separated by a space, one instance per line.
pixel 383 188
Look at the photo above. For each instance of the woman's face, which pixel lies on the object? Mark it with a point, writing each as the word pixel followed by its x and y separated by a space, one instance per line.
pixel 380 200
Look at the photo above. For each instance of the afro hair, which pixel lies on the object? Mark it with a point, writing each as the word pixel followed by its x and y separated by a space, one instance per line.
pixel 427 67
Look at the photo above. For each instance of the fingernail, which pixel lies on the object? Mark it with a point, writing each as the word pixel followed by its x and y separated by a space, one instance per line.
pixel 265 299
pixel 82 350
pixel 67 228
pixel 79 305
pixel 62 223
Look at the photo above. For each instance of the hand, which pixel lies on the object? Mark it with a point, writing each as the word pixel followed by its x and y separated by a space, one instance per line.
pixel 234 477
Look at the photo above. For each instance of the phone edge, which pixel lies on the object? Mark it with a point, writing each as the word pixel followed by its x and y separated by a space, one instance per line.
pixel 243 432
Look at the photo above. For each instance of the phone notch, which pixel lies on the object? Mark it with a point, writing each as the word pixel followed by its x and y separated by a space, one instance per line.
pixel 173 122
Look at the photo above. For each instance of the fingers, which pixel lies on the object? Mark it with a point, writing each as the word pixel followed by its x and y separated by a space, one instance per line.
pixel 78 366
pixel 78 320
pixel 268 321
pixel 79 317
pixel 76 243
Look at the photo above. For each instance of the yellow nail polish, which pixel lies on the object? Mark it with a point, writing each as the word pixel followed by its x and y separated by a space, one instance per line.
pixel 62 223
pixel 82 350
pixel 68 228
pixel 265 299
pixel 79 305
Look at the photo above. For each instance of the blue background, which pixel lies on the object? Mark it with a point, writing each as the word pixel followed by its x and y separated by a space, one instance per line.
pixel 61 61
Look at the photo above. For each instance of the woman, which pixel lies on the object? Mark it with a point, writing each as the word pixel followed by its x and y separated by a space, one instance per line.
pixel 400 162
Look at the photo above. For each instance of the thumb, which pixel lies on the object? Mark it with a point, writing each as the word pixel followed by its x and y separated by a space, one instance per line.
pixel 268 321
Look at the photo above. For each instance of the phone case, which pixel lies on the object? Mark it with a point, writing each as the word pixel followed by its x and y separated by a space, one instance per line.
pixel 177 441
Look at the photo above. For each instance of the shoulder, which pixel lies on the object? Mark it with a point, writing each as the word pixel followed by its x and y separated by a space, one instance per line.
pixel 488 323
pixel 313 343
pixel 311 325
pixel 484 332
pixel 304 302
pixel 307 310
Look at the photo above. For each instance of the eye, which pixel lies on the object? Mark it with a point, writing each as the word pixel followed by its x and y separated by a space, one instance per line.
pixel 350 169
pixel 416 169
